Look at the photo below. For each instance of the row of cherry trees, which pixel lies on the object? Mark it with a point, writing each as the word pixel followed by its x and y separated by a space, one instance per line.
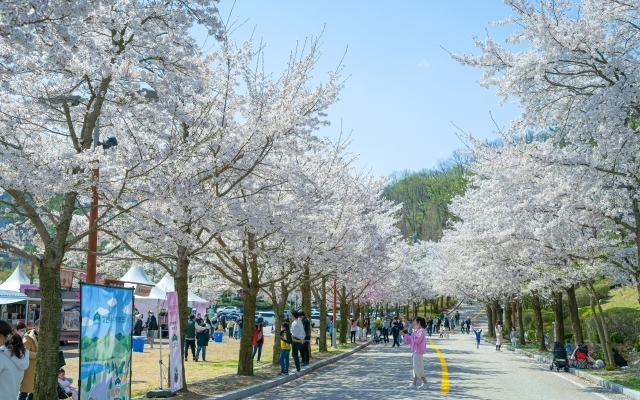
pixel 217 177
pixel 554 204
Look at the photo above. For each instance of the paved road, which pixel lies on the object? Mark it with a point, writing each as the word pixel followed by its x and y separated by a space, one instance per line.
pixel 380 372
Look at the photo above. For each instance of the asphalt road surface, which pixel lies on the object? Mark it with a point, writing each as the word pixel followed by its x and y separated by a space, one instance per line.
pixel 460 372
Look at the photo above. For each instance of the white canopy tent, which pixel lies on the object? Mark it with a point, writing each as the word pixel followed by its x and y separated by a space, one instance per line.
pixel 11 296
pixel 136 274
pixel 16 279
pixel 167 284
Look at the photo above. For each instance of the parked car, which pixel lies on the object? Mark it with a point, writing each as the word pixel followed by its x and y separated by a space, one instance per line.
pixel 227 309
pixel 315 318
pixel 268 317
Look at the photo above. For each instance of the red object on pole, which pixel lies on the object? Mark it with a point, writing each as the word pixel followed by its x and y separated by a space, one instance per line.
pixel 93 235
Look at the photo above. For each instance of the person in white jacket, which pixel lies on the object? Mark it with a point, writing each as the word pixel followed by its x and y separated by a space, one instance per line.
pixel 14 360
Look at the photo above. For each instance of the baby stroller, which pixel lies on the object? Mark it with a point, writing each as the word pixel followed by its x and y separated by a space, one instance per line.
pixel 376 337
pixel 559 357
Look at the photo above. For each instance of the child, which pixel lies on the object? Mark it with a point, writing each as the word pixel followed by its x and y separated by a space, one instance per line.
pixel 478 333
pixel 285 348
pixel 65 384
pixel 441 331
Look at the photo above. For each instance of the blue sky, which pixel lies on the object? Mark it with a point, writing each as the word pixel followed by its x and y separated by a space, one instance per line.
pixel 403 91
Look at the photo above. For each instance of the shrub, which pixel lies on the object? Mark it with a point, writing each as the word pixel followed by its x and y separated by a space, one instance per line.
pixel 527 319
pixel 568 337
pixel 616 338
pixel 531 335
pixel 595 337
pixel 611 367
pixel 637 346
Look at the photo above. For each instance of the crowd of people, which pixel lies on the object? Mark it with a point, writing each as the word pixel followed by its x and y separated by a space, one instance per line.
pixel 18 351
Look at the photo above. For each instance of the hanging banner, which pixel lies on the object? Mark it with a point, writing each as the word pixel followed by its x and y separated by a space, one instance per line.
pixel 175 346
pixel 105 342
pixel 201 308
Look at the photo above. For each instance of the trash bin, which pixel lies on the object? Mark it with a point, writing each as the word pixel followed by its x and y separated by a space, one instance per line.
pixel 138 344
pixel 217 336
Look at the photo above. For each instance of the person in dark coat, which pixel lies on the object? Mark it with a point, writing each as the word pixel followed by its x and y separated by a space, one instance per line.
pixel 137 328
pixel 202 340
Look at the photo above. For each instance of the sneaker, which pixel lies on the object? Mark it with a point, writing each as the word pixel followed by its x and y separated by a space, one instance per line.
pixel 196 360
pixel 297 372
pixel 411 386
pixel 305 364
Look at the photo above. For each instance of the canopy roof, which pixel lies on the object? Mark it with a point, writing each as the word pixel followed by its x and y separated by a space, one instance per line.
pixel 16 279
pixel 137 275
pixel 168 285
pixel 12 296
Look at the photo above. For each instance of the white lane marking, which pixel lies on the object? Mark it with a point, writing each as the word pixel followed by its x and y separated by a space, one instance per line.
pixel 583 386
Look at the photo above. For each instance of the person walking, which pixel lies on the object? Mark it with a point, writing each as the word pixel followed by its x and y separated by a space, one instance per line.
pixel 395 331
pixel 231 325
pixel 418 344
pixel 514 337
pixel 446 327
pixel 305 348
pixel 285 348
pixel 429 326
pixel 14 361
pixel 202 341
pixel 258 340
pixel 236 329
pixel 468 321
pixel 498 328
pixel 152 327
pixel 297 338
pixel 239 323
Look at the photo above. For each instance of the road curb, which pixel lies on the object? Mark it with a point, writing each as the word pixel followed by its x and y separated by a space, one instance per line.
pixel 281 380
pixel 614 387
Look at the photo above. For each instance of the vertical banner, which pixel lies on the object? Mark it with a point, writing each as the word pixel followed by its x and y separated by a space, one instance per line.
pixel 201 308
pixel 175 346
pixel 105 342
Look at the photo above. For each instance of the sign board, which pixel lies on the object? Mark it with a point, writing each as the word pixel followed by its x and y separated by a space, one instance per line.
pixel 175 345
pixel 105 342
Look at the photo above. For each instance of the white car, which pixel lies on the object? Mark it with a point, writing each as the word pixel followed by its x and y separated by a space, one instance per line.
pixel 268 317
pixel 227 309
pixel 315 318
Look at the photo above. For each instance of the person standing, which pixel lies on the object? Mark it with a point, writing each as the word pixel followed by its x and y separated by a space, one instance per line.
pixel 468 325
pixel 190 338
pixel 514 337
pixel 446 327
pixel 395 331
pixel 498 328
pixel 239 323
pixel 297 338
pixel 231 325
pixel 385 331
pixel 258 340
pixel 14 360
pixel 30 342
pixel 305 348
pixel 418 344
pixel 478 333
pixel 152 327
pixel 353 326
pixel 429 326
pixel 285 348
pixel 137 327
pixel 202 340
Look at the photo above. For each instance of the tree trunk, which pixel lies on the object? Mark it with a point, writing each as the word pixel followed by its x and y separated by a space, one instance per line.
pixel 507 319
pixel 558 316
pixel 442 302
pixel 497 313
pixel 46 379
pixel 521 337
pixel 490 321
pixel 180 280
pixel 245 362
pixel 537 310
pixel 344 315
pixel 601 326
pixel 576 327
pixel 323 316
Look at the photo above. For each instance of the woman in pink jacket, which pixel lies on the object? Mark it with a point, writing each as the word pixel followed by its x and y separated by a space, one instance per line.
pixel 418 343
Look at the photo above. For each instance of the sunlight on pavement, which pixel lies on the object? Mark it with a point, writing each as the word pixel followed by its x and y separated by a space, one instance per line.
pixel 444 386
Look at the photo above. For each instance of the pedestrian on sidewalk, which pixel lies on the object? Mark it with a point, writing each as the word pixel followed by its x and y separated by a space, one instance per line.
pixel 418 344
pixel 385 332
pixel 514 337
pixel 297 338
pixel 498 328
pixel 478 333
pixel 396 327
pixel 305 348
pixel 258 340
pixel 354 328
pixel 446 327
pixel 285 348
pixel 429 326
